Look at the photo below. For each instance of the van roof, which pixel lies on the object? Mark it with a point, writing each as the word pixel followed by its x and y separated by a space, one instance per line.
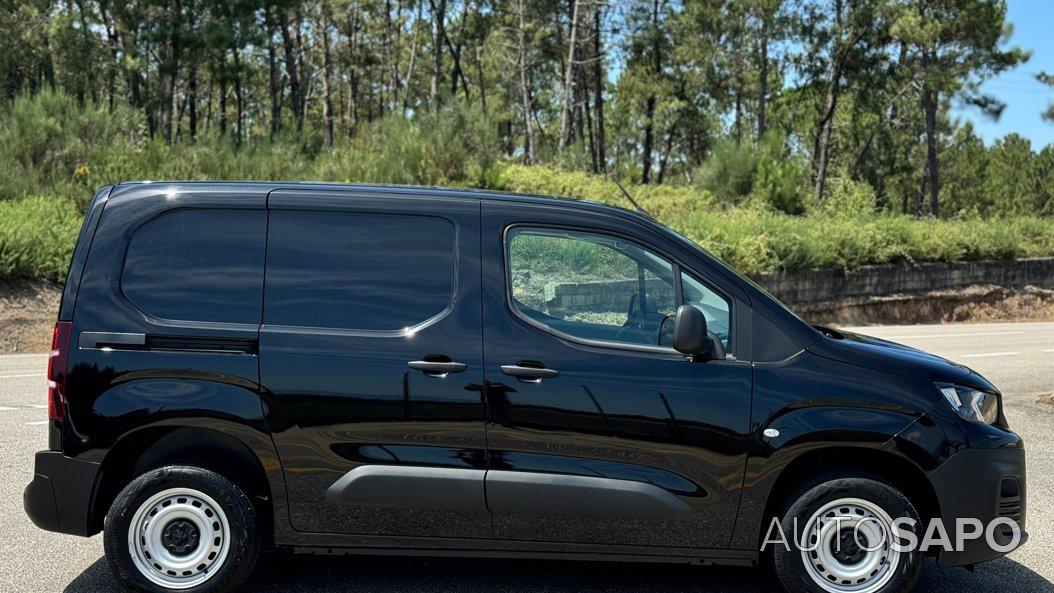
pixel 369 189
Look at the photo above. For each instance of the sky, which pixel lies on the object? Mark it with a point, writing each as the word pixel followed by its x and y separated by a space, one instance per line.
pixel 1024 96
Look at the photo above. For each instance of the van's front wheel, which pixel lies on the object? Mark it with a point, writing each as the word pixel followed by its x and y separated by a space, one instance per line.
pixel 841 539
pixel 181 528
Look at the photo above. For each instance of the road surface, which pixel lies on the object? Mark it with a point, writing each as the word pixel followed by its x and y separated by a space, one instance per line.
pixel 1019 358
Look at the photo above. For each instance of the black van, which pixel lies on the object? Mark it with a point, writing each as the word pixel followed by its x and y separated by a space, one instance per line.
pixel 333 368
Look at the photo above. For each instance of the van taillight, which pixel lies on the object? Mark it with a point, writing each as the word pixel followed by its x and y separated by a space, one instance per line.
pixel 60 346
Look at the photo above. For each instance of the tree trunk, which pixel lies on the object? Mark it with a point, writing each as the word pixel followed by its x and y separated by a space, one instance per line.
pixel 113 41
pixel 353 70
pixel 327 102
pixel 292 70
pixel 192 100
pixel 410 67
pixel 763 73
pixel 737 118
pixel 525 87
pixel 275 82
pixel 479 76
pixel 920 197
pixel 665 158
pixel 822 141
pixel 598 89
pixel 388 90
pixel 649 112
pixel 930 106
pixel 170 70
pixel 438 35
pixel 223 95
pixel 208 100
pixel 591 135
pixel 569 78
pixel 239 98
pixel 456 72
pixel 303 65
pixel 649 140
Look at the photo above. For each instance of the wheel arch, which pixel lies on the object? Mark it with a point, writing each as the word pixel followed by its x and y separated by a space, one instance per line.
pixel 900 472
pixel 210 447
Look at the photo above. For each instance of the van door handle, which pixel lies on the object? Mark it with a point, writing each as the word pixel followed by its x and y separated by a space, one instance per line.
pixel 104 339
pixel 529 374
pixel 437 369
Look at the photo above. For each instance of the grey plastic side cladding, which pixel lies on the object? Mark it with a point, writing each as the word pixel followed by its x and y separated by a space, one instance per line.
pixel 432 488
pixel 504 492
pixel 530 493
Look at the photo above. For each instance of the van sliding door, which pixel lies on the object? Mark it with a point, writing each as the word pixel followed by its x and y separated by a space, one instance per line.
pixel 371 360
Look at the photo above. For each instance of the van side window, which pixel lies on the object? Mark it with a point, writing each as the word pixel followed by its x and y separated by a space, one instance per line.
pixel 198 265
pixel 592 286
pixel 357 271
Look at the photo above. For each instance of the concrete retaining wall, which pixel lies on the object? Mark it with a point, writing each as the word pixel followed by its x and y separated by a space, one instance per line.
pixel 568 298
pixel 820 286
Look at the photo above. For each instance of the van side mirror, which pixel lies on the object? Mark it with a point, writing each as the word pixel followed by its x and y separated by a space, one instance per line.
pixel 690 336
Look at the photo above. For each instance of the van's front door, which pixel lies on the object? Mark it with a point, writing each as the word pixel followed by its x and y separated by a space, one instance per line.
pixel 371 362
pixel 598 431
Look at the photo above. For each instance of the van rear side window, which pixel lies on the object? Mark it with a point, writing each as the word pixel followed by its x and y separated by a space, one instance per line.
pixel 357 271
pixel 198 265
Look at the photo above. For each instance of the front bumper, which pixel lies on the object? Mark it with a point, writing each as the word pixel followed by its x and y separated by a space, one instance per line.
pixel 983 484
pixel 59 497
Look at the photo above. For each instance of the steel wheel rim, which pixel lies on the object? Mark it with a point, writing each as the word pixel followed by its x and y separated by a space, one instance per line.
pixel 179 508
pixel 873 570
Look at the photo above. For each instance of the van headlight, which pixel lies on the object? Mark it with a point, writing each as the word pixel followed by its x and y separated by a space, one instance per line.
pixel 971 404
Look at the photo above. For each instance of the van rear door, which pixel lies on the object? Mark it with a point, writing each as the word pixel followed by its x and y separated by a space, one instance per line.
pixel 167 312
pixel 371 361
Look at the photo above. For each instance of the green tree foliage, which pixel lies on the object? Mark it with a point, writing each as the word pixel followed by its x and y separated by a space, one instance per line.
pixel 779 104
pixel 1047 79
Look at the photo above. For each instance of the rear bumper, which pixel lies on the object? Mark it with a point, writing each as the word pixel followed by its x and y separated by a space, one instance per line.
pixel 59 497
pixel 983 484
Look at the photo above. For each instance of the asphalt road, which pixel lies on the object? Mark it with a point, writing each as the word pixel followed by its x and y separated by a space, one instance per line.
pixel 1019 358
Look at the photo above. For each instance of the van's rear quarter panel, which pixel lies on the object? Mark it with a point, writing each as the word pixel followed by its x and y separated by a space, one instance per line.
pixel 112 392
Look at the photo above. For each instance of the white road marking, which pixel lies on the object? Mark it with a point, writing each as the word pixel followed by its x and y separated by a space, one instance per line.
pixel 20 376
pixel 25 407
pixel 958 335
pixel 987 354
pixel 41 354
pixel 1049 350
pixel 37 423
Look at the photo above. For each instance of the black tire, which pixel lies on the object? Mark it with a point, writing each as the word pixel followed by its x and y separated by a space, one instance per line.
pixel 811 497
pixel 244 537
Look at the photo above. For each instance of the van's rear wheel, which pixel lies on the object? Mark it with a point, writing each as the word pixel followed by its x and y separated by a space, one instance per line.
pixel 843 539
pixel 181 529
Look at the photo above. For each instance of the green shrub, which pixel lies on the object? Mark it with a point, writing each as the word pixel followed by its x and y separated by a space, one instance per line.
pixel 37 235
pixel 458 146
pixel 729 171
pixel 48 142
pixel 845 197
pixel 765 174
pixel 779 184
pixel 661 201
